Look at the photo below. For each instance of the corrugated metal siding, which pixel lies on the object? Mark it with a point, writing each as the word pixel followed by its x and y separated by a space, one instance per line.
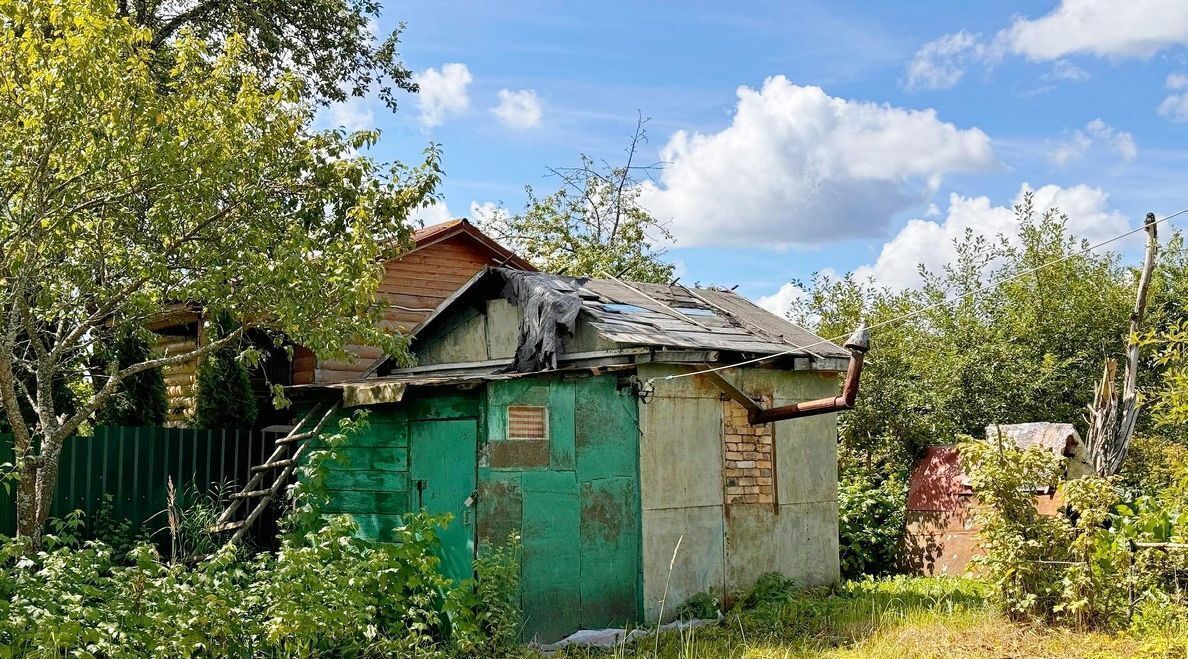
pixel 133 465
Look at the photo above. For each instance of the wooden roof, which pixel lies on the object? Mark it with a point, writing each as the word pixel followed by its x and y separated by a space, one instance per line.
pixel 435 233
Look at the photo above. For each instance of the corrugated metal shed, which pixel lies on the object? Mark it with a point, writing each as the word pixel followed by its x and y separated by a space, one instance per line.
pixel 1055 437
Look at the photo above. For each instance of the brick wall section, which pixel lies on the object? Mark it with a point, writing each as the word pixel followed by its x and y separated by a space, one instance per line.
pixel 749 477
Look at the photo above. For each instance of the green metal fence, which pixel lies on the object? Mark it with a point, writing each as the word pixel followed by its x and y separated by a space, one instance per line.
pixel 133 465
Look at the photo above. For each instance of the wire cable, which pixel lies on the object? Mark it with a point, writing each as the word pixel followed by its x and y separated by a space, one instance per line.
pixel 946 301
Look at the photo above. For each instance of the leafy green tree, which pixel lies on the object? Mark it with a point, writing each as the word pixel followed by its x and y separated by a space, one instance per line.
pixel 593 225
pixel 331 43
pixel 126 189
pixel 138 400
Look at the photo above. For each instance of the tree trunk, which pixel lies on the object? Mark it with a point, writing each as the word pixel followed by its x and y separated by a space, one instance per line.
pixel 1112 421
pixel 26 496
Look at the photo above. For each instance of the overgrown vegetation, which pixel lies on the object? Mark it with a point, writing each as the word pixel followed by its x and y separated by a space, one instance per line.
pixel 224 393
pixel 1114 559
pixel 324 592
pixel 139 400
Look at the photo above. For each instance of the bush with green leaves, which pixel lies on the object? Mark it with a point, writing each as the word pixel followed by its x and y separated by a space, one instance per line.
pixel 1019 542
pixel 870 523
pixel 225 396
pixel 1106 558
pixel 139 400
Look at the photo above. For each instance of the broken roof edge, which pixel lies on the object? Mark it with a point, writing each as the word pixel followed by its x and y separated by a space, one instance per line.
pixel 767 339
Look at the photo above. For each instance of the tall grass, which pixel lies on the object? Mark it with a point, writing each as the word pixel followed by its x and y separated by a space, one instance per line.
pixel 895 618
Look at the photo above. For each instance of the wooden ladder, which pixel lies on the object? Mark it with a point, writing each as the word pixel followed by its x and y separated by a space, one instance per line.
pixel 282 462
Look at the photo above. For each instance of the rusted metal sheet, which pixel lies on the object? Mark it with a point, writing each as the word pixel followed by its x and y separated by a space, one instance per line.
pixel 575 501
pixel 518 454
pixel 938 482
pixel 941 537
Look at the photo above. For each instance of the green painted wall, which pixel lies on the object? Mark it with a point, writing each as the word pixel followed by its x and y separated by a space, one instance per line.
pixel 373 484
pixel 574 499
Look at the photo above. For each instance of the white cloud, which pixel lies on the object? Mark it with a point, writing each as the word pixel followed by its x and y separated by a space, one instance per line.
pixel 1105 28
pixel 1096 131
pixel 931 243
pixel 518 109
pixel 354 114
pixel 781 301
pixel 1102 28
pixel 487 211
pixel 799 167
pixel 1175 106
pixel 1074 148
pixel 434 214
pixel 941 63
pixel 443 93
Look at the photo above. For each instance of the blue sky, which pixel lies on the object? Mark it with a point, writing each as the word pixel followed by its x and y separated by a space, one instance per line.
pixel 804 136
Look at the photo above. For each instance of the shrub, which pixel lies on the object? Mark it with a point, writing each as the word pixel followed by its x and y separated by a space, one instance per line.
pixel 870 523
pixel 1092 567
pixel 700 606
pixel 1018 541
pixel 225 396
pixel 324 593
pixel 492 626
pixel 139 400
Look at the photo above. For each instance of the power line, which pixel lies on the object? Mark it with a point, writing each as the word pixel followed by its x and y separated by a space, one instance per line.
pixel 943 302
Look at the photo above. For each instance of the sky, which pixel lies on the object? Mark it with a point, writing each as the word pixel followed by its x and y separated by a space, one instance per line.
pixel 804 137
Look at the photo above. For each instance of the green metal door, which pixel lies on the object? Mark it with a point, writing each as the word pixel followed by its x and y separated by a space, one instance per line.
pixel 442 465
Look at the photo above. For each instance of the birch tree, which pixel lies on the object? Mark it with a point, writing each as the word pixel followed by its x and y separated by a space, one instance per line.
pixel 126 189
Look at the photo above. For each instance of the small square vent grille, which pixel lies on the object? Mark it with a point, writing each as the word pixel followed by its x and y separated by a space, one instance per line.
pixel 527 422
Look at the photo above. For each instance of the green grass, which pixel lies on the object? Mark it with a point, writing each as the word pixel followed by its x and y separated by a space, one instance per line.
pixel 896 618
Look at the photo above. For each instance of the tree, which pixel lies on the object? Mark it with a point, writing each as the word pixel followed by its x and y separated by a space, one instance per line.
pixel 1028 349
pixel 126 190
pixel 332 43
pixel 594 225
pixel 225 398
pixel 138 400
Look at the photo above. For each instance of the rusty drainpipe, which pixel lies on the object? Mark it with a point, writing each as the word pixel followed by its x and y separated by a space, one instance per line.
pixel 857 344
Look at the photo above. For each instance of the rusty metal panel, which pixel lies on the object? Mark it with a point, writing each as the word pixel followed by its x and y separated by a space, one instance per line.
pixel 609 553
pixel 938 482
pixel 500 505
pixel 518 454
pixel 576 504
pixel 607 448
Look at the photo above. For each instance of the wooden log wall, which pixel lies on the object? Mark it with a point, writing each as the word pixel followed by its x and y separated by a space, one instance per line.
pixel 181 380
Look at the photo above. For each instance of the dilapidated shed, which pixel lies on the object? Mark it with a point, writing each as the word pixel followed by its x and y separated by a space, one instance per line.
pixel 941 535
pixel 541 404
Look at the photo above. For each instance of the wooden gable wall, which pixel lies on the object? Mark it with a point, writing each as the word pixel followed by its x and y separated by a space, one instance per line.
pixel 413 286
